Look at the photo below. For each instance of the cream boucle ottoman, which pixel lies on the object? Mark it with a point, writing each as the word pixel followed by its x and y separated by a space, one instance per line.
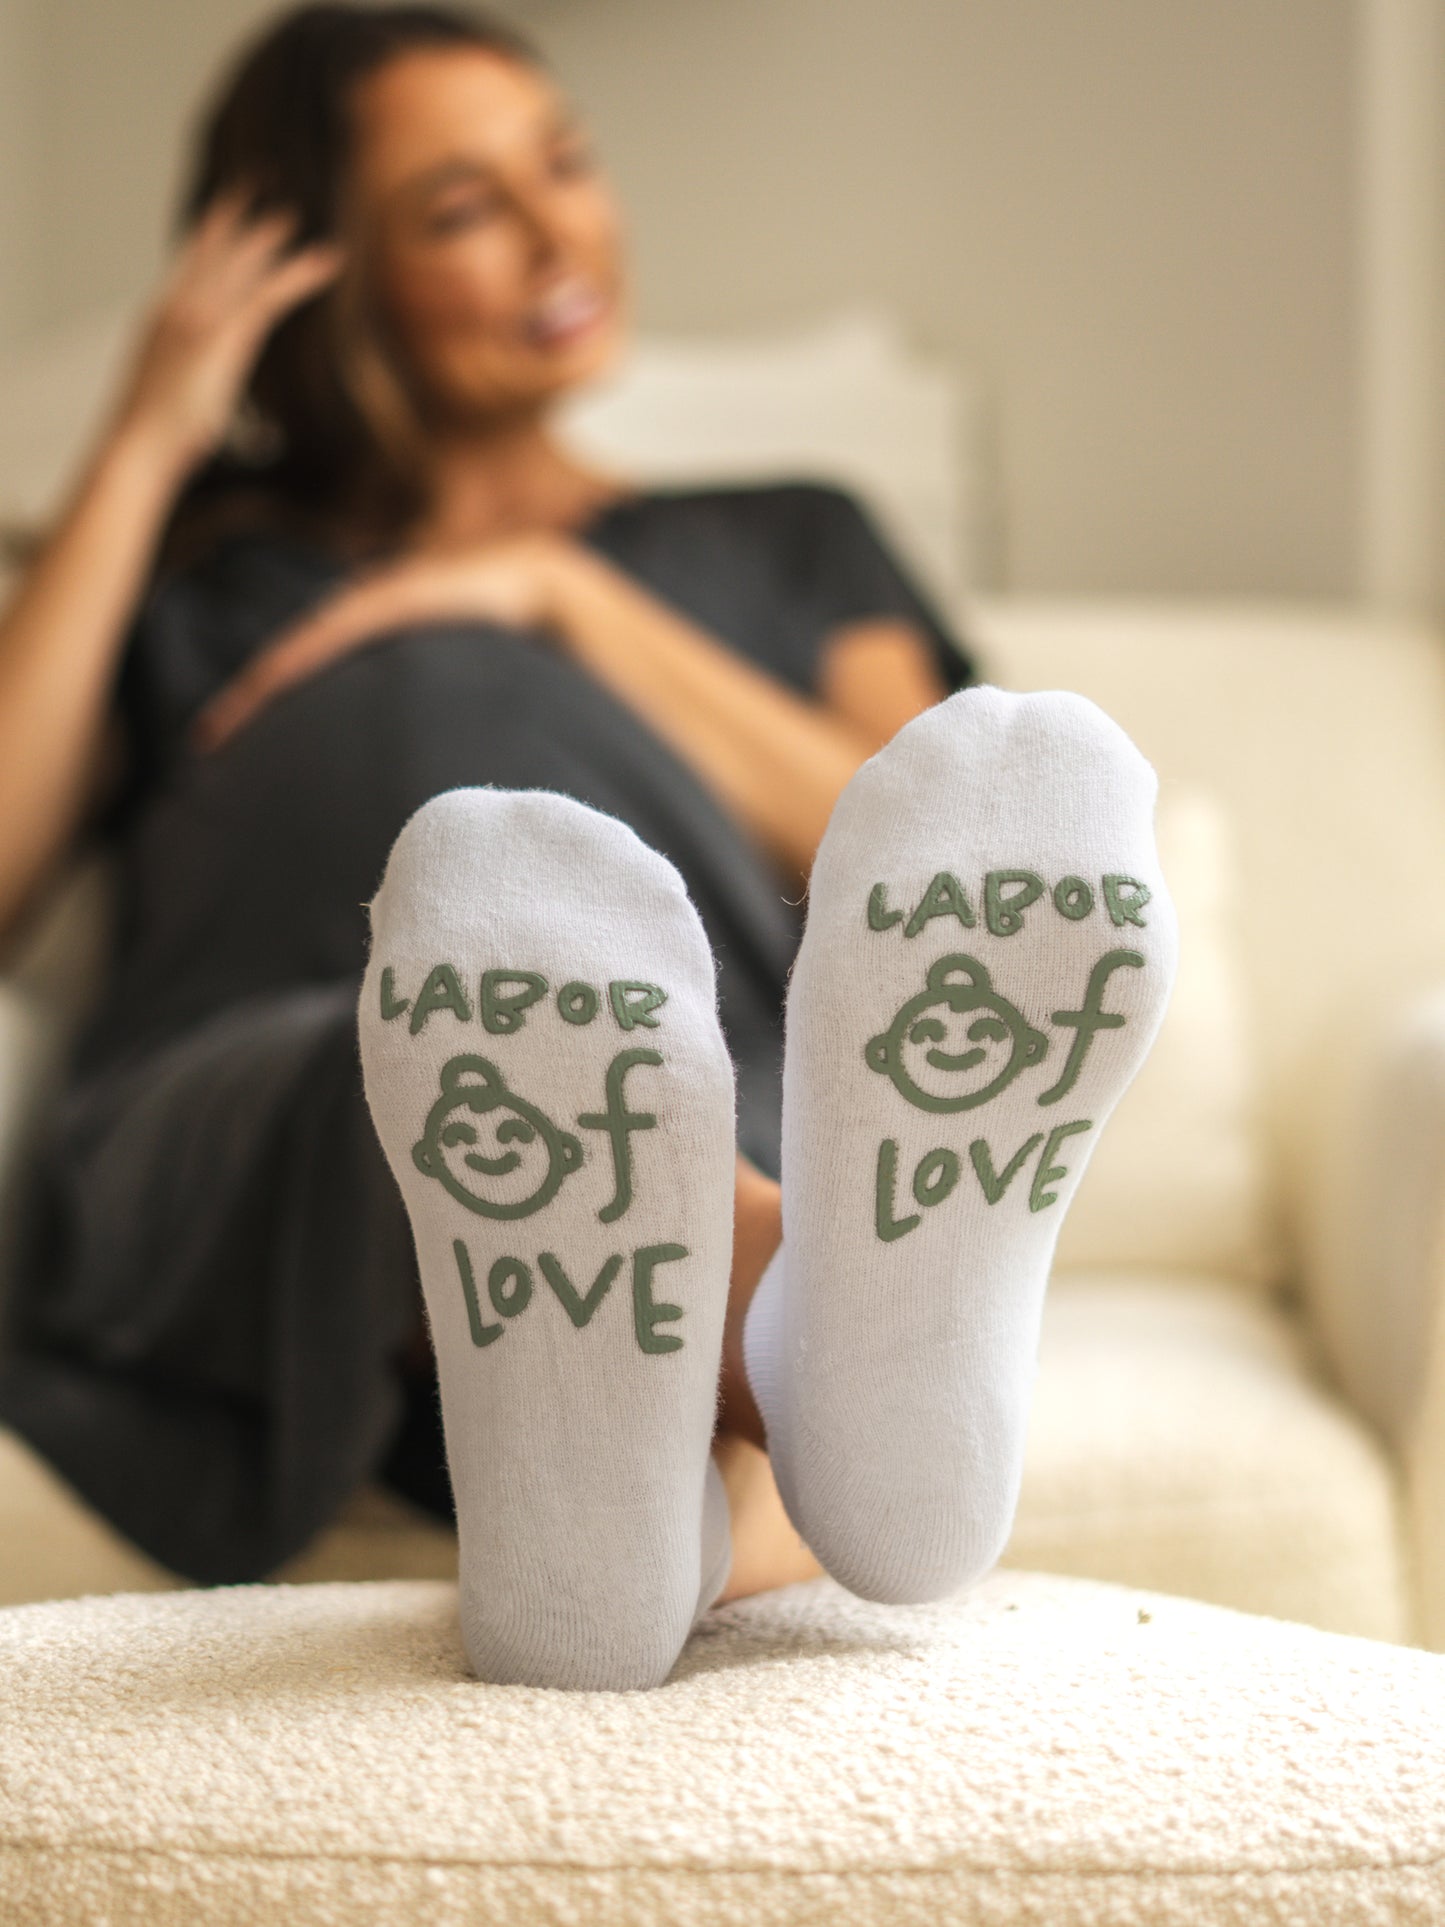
pixel 1043 1750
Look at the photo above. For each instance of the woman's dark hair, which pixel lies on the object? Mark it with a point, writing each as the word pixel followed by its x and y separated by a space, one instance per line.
pixel 332 433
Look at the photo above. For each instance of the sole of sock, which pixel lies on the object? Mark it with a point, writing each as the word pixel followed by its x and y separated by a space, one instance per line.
pixel 988 953
pixel 545 1069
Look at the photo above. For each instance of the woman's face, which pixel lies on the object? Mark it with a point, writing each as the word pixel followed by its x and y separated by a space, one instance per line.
pixel 493 243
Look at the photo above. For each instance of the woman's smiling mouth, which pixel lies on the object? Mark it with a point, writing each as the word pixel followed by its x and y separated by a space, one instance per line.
pixel 569 311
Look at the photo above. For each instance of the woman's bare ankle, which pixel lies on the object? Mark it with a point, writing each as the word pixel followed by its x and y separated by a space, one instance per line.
pixel 757 1233
pixel 767 1552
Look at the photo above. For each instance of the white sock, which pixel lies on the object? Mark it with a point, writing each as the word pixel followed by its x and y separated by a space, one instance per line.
pixel 540 997
pixel 987 890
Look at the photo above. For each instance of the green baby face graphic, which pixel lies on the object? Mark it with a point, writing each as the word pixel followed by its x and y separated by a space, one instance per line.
pixel 957 1043
pixel 492 1150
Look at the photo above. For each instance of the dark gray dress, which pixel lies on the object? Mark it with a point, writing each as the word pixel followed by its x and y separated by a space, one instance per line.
pixel 216 1272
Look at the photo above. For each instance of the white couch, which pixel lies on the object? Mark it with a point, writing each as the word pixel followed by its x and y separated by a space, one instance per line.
pixel 1241 1393
pixel 1238 1397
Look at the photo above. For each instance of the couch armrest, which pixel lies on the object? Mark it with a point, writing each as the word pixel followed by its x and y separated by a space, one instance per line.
pixel 1425 1479
pixel 56 954
pixel 50 972
pixel 1375 1272
pixel 32 1040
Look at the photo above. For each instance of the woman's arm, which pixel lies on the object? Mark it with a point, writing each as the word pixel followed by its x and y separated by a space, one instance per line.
pixel 60 636
pixel 881 673
pixel 58 643
pixel 776 759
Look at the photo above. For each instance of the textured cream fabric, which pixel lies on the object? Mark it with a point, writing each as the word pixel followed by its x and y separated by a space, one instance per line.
pixel 1041 1750
pixel 1180 1440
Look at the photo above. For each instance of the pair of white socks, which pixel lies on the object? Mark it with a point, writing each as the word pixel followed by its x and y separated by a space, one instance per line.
pixel 988 953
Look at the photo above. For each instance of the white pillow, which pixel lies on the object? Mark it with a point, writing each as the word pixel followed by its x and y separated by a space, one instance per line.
pixel 1180 1178
pixel 844 399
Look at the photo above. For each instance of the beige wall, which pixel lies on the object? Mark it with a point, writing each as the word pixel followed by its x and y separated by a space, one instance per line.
pixel 1402 277
pixel 1131 218
pixel 19 94
pixel 1135 222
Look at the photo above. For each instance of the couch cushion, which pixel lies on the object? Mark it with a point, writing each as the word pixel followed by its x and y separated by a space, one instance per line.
pixel 1040 1749
pixel 1180 1439
pixel 843 397
pixel 1181 1179
pixel 1323 730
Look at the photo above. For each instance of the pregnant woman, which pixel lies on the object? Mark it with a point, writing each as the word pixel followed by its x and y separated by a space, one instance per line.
pixel 394 711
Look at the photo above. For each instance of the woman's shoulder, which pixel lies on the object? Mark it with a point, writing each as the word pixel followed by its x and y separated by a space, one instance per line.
pixel 801 553
pixel 226 592
pixel 813 532
pixel 256 556
pixel 202 615
pixel 792 527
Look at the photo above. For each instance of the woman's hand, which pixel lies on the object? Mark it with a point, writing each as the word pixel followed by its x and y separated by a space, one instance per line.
pixel 229 285
pixel 514 581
